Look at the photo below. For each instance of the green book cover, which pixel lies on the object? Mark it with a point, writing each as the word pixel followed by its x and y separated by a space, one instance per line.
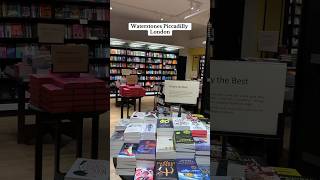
pixel 184 137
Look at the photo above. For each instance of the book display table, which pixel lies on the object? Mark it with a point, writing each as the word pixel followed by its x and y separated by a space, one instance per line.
pixel 149 145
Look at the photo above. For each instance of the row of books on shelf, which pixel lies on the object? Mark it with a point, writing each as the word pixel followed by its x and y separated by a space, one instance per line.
pixel 99 71
pixel 118 58
pixel 153 72
pixel 25 10
pixel 143 78
pixel 77 31
pixel 154 66
pixel 167 62
pixel 123 65
pixel 17 51
pixel 169 72
pixel 16 31
pixel 169 67
pixel 136 59
pixel 143 53
pixel 137 66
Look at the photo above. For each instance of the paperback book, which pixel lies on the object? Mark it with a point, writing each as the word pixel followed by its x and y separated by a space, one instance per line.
pixel 166 170
pixel 146 150
pixel 188 170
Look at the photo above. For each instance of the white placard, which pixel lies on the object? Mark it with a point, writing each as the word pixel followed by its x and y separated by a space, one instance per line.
pixel 246 97
pixel 268 41
pixel 183 92
pixel 83 21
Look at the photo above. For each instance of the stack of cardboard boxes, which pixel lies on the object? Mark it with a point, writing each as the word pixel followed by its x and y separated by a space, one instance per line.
pixel 57 94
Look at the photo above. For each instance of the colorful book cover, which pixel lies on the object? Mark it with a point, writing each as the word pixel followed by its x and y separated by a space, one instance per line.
pixel 45 11
pixel 77 31
pixel 286 171
pixel 143 174
pixel 205 172
pixel 188 170
pixel 147 147
pixel 183 137
pixel 166 170
pixel 128 150
pixel 16 31
pixel 202 144
pixel 164 123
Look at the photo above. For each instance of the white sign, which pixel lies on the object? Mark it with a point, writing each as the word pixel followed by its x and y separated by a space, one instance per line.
pixel 246 97
pixel 183 92
pixel 160 29
pixel 268 41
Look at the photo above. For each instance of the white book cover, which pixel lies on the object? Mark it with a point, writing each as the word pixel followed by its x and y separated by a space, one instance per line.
pixel 134 128
pixel 179 122
pixel 88 169
pixel 122 124
pixel 165 144
pixel 149 128
pixel 197 125
pixel 138 116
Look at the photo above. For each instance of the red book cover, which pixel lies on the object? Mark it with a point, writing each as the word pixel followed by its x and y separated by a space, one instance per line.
pixel 16 31
pixel 77 31
pixel 45 11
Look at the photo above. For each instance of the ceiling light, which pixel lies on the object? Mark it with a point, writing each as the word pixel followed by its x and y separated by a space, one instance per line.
pixel 110 8
pixel 204 42
pixel 192 8
pixel 155 46
pixel 116 42
pixel 137 45
pixel 193 14
pixel 161 19
pixel 170 48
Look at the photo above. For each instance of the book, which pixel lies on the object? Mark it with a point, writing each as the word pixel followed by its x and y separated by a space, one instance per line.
pixel 11 52
pixel 128 150
pixel 25 11
pixel 165 148
pixel 187 169
pixel 183 137
pixel 88 169
pixel 146 149
pixel 198 129
pixel 122 124
pixel 205 170
pixel 143 173
pixel 12 10
pixel 116 143
pixel 77 31
pixel 16 31
pixel 166 170
pixel 164 127
pixel 149 131
pixel 180 123
pixel 286 171
pixel 138 116
pixel 2 31
pixel 202 146
pixel 132 134
pixel 45 11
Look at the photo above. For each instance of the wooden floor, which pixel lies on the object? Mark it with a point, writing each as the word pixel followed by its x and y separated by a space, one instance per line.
pixel 146 105
pixel 17 160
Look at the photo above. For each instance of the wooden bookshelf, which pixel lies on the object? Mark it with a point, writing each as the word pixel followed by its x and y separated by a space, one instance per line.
pixel 150 70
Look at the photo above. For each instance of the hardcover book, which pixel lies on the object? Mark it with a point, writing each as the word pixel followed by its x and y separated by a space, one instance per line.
pixel 183 137
pixel 187 169
pixel 166 170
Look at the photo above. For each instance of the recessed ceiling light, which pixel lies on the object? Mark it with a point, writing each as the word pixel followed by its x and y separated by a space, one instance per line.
pixel 204 42
pixel 192 8
pixel 110 8
pixel 161 19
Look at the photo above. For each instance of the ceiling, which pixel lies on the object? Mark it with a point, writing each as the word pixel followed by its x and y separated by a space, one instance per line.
pixel 169 10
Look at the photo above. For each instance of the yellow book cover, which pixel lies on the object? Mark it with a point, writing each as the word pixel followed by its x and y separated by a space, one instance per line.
pixel 286 171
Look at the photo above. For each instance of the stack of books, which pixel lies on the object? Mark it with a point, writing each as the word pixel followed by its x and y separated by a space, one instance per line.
pixel 181 124
pixel 202 146
pixel 132 134
pixel 166 170
pixel 149 131
pixel 147 150
pixel 205 170
pixel 122 124
pixel 188 169
pixel 116 142
pixel 185 146
pixel 165 127
pixel 143 172
pixel 126 160
pixel 198 129
pixel 151 117
pixel 165 148
pixel 138 117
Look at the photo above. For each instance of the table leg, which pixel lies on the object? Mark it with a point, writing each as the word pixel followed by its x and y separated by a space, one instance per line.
pixel 21 112
pixel 134 104
pixel 122 108
pixel 79 124
pixel 139 104
pixel 95 137
pixel 38 149
pixel 128 107
pixel 57 145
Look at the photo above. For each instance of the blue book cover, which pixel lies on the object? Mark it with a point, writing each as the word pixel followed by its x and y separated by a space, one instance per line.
pixel 205 172
pixel 188 170
pixel 147 147
pixel 202 144
pixel 128 150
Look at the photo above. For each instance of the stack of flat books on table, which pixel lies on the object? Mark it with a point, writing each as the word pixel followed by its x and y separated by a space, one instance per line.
pixel 132 134
pixel 164 127
pixel 165 148
pixel 116 142
pixel 149 131
pixel 147 150
pixel 181 124
pixel 122 124
pixel 166 170
pixel 185 147
pixel 188 169
pixel 138 117
pixel 202 146
pixel 126 160
pixel 198 129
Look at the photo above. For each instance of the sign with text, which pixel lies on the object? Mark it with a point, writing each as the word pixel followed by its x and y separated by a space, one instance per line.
pixel 246 97
pixel 160 29
pixel 182 92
